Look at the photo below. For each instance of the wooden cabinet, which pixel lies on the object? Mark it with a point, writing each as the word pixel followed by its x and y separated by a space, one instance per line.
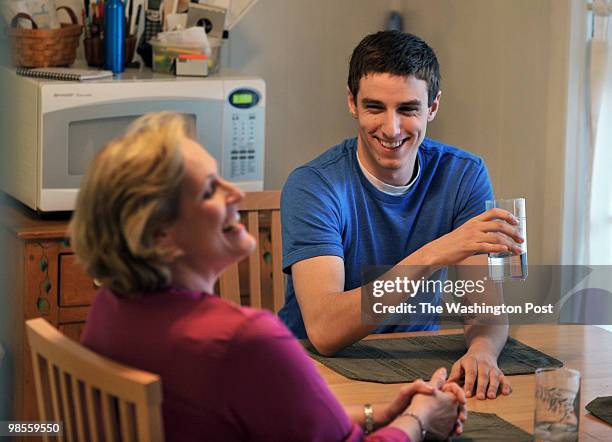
pixel 42 279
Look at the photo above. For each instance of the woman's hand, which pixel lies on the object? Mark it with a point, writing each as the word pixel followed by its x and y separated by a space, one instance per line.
pixel 438 380
pixel 452 387
pixel 385 413
pixel 441 411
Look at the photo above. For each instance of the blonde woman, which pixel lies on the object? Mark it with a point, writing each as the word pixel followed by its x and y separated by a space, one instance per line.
pixel 156 225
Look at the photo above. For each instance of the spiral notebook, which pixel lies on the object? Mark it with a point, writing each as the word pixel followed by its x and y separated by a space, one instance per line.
pixel 65 74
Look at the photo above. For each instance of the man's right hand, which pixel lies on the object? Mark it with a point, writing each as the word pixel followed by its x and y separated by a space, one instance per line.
pixel 493 231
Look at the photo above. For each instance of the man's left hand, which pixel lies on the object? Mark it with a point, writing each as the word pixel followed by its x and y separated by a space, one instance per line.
pixel 481 374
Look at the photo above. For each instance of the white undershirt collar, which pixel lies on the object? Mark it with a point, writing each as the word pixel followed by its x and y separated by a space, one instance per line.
pixel 388 188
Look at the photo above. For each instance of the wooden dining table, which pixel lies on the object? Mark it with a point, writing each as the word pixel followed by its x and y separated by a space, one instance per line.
pixel 587 349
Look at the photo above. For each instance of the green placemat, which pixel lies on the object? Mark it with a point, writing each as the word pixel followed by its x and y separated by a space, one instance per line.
pixel 602 408
pixel 397 360
pixel 490 427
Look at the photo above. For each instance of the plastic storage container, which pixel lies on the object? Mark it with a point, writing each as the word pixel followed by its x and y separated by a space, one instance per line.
pixel 164 55
pixel 214 61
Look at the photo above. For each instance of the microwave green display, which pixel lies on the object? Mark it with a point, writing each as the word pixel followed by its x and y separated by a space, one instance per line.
pixel 242 98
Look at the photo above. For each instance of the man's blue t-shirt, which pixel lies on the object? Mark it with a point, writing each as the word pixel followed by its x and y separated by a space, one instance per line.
pixel 329 208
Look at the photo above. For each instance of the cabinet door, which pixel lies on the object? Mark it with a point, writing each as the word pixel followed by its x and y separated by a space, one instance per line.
pixel 76 287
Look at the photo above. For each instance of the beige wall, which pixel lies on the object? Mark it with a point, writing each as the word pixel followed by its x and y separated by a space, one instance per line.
pixel 301 48
pixel 504 68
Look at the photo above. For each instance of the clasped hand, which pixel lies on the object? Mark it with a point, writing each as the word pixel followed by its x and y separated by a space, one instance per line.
pixel 440 405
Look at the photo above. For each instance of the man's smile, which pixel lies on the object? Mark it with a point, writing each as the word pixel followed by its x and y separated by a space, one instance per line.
pixel 391 145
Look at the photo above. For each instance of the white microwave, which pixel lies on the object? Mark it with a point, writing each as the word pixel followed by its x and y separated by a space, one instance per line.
pixel 52 129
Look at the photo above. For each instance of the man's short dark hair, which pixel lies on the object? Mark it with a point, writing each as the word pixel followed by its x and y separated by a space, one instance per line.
pixel 397 53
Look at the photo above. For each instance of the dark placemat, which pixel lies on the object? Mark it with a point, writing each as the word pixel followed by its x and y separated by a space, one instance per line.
pixel 491 427
pixel 602 408
pixel 397 360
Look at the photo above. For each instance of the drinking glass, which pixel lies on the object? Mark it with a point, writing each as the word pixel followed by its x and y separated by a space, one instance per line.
pixel 507 265
pixel 557 409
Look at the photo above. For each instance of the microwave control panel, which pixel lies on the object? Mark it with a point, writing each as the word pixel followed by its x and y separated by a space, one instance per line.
pixel 244 136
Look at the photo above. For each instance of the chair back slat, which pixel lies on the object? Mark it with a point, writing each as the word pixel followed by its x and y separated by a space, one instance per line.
pixel 109 413
pixel 128 425
pixel 56 399
pixel 67 405
pixel 278 277
pixel 266 281
pixel 254 266
pixel 92 414
pixel 229 285
pixel 96 399
pixel 41 382
pixel 79 407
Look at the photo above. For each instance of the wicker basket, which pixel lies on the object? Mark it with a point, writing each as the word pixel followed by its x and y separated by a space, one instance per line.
pixel 44 47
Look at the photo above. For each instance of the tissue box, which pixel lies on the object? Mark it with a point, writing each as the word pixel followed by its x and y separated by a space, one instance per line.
pixel 165 54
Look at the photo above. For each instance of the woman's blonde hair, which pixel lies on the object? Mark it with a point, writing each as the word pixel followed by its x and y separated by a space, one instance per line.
pixel 130 192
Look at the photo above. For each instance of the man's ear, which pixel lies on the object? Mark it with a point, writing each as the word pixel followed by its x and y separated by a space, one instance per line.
pixel 350 101
pixel 433 109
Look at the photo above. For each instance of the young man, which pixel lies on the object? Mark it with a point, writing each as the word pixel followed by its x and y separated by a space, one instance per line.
pixel 389 197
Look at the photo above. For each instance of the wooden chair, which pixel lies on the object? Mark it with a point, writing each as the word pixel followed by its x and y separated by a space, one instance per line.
pixel 96 399
pixel 260 211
